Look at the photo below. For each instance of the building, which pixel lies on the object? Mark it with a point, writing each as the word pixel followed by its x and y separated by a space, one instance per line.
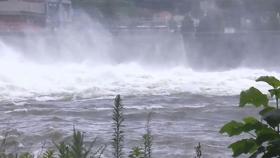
pixel 32 16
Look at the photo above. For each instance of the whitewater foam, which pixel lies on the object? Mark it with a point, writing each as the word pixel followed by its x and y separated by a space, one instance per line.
pixel 21 79
pixel 25 76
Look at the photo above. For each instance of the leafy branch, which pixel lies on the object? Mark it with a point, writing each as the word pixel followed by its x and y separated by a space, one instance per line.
pixel 264 135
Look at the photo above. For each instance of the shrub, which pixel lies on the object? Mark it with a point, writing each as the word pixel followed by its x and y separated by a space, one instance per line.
pixel 264 137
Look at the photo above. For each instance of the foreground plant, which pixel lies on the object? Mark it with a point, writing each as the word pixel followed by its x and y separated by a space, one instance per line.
pixel 148 139
pixel 77 148
pixel 25 155
pixel 136 152
pixel 118 135
pixel 198 151
pixel 63 150
pixel 264 137
pixel 146 150
pixel 49 154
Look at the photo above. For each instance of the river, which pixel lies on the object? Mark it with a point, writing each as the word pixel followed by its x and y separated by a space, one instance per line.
pixel 45 91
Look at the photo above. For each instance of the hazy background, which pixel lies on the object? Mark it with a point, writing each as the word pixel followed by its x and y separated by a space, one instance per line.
pixel 188 74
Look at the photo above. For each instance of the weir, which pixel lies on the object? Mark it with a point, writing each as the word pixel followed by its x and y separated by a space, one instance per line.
pixel 188 76
pixel 154 47
pixel 36 16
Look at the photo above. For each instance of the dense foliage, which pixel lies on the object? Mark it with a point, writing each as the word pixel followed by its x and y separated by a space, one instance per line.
pixel 264 137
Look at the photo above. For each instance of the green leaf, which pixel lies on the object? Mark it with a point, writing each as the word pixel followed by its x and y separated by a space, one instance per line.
pixel 271 80
pixel 250 120
pixel 260 150
pixel 244 146
pixel 251 123
pixel 253 96
pixel 275 92
pixel 272 118
pixel 266 110
pixel 232 128
pixel 266 134
pixel 275 142
pixel 272 151
pixel 265 140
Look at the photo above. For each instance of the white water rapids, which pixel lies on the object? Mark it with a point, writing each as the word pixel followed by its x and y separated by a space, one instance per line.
pixel 87 62
pixel 49 84
pixel 22 78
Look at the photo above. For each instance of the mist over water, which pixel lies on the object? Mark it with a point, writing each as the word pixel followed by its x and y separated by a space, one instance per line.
pixel 90 62
pixel 50 82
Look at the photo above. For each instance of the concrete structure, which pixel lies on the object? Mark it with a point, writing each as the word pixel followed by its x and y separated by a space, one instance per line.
pixel 33 15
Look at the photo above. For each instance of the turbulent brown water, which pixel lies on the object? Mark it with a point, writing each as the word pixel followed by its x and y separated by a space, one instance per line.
pixel 179 122
pixel 48 85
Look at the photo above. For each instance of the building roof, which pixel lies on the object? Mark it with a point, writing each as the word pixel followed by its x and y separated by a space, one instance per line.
pixel 14 6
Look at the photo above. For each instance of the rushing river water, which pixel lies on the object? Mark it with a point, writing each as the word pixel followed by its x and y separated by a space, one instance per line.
pixel 44 94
